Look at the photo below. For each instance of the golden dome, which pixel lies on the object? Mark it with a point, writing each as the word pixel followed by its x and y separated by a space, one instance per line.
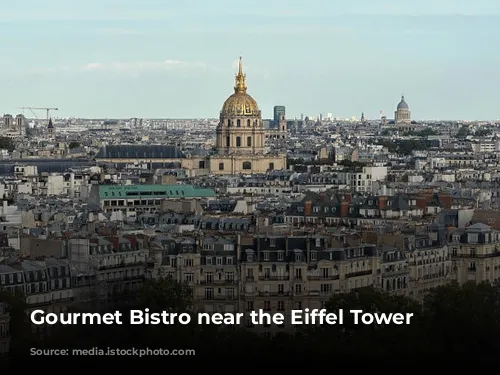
pixel 240 103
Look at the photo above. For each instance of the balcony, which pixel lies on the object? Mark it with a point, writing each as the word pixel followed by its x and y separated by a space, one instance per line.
pixel 358 274
pixel 273 278
pixel 331 277
pixel 220 298
pixel 274 294
pixel 121 265
pixel 218 282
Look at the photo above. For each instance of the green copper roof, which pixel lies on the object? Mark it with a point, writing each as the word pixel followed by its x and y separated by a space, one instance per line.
pixel 153 191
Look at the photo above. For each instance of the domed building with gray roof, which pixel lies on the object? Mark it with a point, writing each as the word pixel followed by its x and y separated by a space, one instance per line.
pixel 402 116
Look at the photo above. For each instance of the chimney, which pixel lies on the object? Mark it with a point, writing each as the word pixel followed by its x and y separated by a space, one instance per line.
pixel 446 200
pixel 307 208
pixel 344 209
pixel 382 203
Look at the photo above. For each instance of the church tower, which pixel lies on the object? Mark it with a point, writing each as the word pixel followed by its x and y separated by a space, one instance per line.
pixel 51 129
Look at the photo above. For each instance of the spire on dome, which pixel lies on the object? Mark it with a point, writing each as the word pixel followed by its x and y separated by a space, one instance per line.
pixel 240 86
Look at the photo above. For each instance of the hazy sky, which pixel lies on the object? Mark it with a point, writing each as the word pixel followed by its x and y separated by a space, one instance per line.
pixel 174 58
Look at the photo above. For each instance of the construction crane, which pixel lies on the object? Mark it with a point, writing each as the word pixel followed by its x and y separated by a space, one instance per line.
pixel 32 109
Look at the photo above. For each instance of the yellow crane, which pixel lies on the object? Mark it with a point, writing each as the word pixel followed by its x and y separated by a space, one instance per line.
pixel 33 109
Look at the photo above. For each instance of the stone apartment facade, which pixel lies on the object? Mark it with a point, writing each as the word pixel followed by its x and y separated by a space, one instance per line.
pixel 283 273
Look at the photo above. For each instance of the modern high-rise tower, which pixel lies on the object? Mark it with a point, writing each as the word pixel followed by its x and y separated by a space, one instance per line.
pixel 279 112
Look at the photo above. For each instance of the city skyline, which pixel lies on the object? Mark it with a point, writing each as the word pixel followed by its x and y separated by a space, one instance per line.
pixel 115 59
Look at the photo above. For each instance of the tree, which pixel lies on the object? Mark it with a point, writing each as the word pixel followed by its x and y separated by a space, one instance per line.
pixel 351 340
pixel 7 144
pixel 74 145
pixel 463 132
pixel 464 319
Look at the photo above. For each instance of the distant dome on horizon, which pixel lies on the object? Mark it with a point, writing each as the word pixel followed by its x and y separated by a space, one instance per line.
pixel 402 104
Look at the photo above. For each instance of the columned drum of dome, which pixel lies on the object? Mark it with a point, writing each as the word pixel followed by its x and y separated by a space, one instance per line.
pixel 240 128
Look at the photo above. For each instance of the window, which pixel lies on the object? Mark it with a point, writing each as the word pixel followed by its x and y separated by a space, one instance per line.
pixel 266 256
pixel 248 123
pixel 281 255
pixel 209 261
pixel 218 261
pixel 238 123
pixel 188 277
pixel 228 141
pixel 229 261
pixel 238 141
pixel 209 293
pixel 326 288
pixel 249 141
pixel 281 306
pixel 271 166
pixel 201 164
pixel 250 258
pixel 314 255
pixel 247 165
pixel 221 166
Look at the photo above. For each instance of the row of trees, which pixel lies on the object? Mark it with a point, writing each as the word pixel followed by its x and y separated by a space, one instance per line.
pixel 454 322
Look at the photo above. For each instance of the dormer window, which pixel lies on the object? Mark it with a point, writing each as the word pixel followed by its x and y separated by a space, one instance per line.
pixel 250 258
pixel 314 256
pixel 266 256
pixel 298 257
pixel 370 202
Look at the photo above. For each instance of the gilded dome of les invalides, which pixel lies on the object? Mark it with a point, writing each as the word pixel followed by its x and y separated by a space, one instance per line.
pixel 240 103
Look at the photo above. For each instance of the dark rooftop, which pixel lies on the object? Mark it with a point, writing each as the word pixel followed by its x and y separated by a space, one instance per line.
pixel 140 152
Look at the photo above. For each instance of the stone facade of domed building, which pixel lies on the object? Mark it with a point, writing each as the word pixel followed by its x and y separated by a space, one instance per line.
pixel 402 116
pixel 240 139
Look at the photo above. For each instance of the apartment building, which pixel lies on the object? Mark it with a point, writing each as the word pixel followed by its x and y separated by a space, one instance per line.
pixel 4 331
pixel 475 252
pixel 275 274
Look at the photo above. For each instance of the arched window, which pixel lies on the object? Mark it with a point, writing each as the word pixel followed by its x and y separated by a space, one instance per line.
pixel 238 123
pixel 249 141
pixel 271 166
pixel 248 123
pixel 228 122
pixel 238 141
pixel 247 165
